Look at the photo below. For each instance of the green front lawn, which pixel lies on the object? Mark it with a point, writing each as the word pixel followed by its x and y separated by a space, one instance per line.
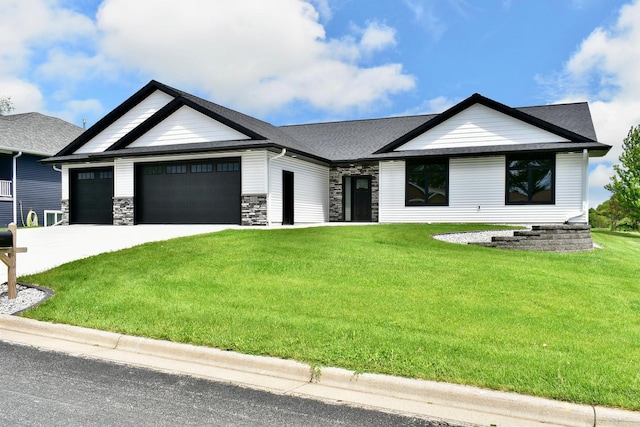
pixel 381 298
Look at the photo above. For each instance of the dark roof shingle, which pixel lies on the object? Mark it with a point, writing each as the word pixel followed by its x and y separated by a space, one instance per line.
pixel 36 133
pixel 334 141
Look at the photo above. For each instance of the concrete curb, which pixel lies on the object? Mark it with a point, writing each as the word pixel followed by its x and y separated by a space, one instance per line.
pixel 455 403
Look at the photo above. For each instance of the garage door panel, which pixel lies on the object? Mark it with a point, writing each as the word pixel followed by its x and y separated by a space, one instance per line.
pixel 199 192
pixel 91 196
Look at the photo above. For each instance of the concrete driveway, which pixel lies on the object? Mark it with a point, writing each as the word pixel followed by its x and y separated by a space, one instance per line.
pixel 48 247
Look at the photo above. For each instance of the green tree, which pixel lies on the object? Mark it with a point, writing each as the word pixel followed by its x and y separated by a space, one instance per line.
pixel 6 105
pixel 625 183
pixel 613 211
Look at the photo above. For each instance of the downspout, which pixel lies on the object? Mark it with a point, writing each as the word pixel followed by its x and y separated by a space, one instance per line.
pixel 585 184
pixel 282 153
pixel 15 186
pixel 585 188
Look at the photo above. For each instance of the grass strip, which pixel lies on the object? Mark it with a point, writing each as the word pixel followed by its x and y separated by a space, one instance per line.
pixel 382 298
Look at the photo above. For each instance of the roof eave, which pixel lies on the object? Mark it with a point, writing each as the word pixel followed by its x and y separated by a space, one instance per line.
pixel 595 149
pixel 176 150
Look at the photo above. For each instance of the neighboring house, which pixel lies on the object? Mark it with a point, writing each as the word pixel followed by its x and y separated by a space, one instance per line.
pixel 166 156
pixel 25 183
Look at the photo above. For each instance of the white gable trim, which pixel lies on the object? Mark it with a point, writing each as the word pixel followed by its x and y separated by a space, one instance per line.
pixel 125 124
pixel 479 126
pixel 186 126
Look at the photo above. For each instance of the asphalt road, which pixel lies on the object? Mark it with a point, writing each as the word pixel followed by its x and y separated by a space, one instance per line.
pixel 40 388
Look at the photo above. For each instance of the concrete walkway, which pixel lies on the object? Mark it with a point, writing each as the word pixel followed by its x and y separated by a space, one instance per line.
pixel 49 247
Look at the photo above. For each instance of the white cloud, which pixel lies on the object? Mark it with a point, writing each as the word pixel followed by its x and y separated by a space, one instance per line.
pixel 432 106
pixel 324 8
pixel 600 175
pixel 30 27
pixel 76 110
pixel 377 37
pixel 254 55
pixel 604 70
pixel 25 96
pixel 423 12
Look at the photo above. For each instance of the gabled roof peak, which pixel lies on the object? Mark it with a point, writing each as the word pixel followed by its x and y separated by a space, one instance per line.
pixel 327 142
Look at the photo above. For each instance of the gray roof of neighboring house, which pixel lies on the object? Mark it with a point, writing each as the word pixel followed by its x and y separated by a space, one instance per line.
pixel 35 133
pixel 334 141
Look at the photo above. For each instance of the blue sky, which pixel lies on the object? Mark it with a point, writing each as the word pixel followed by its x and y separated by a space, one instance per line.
pixel 295 61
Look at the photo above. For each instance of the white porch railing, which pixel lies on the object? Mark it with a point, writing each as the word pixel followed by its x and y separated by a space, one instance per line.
pixel 5 188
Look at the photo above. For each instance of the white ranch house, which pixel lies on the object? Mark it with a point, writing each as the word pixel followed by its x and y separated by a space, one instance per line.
pixel 166 156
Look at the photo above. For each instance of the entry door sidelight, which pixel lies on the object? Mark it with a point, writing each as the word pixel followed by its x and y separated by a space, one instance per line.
pixel 287 198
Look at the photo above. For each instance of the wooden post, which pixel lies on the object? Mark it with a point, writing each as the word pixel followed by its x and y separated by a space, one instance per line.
pixel 8 256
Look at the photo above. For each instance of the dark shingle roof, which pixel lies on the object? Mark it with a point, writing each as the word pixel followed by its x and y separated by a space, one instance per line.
pixel 575 117
pixel 354 139
pixel 36 133
pixel 335 141
pixel 359 139
pixel 256 129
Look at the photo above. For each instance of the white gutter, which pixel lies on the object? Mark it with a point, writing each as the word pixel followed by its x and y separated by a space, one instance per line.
pixel 282 153
pixel 14 184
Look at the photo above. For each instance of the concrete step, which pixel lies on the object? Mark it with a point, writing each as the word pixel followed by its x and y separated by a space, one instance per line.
pixel 527 233
pixel 547 238
pixel 561 227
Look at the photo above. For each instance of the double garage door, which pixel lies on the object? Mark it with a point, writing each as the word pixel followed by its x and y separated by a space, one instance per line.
pixel 194 192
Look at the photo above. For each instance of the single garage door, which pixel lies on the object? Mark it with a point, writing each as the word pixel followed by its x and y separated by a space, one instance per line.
pixel 194 192
pixel 91 196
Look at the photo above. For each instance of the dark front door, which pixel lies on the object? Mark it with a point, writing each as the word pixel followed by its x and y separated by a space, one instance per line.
pixel 287 197
pixel 91 196
pixel 361 192
pixel 357 198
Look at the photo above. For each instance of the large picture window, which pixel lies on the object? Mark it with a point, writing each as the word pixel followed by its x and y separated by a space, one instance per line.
pixel 427 183
pixel 531 179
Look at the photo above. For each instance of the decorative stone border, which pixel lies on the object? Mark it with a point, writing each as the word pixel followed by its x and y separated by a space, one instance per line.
pixel 549 238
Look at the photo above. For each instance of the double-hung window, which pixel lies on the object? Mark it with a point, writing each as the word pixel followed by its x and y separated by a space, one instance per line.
pixel 427 182
pixel 531 179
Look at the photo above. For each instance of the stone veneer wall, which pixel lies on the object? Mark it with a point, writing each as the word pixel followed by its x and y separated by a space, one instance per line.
pixel 335 187
pixel 64 207
pixel 123 211
pixel 254 209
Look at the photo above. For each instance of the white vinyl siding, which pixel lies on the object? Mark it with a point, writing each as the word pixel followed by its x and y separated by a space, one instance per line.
pixel 310 188
pixel 65 182
pixel 125 124
pixel 477 194
pixel 123 176
pixel 187 126
pixel 254 172
pixel 479 126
